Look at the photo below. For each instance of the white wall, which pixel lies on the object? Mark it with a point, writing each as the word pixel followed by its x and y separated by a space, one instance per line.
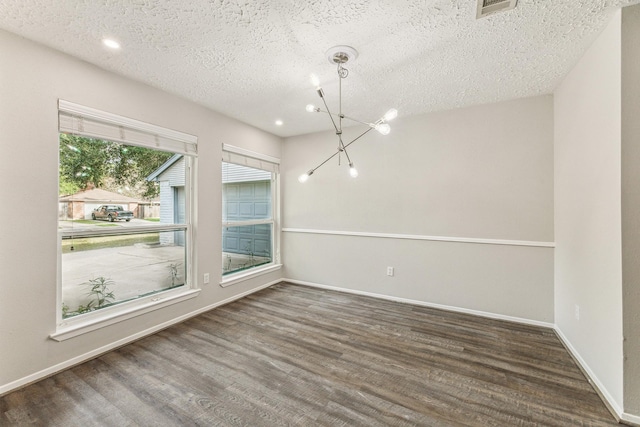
pixel 588 208
pixel 32 78
pixel 484 172
pixel 631 205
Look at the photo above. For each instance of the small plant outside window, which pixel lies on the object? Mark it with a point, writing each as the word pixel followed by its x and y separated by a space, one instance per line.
pixel 174 273
pixel 100 295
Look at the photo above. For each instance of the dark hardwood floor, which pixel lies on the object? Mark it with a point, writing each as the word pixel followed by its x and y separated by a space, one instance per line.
pixel 293 355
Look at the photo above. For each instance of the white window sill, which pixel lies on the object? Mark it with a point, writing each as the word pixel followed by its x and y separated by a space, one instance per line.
pixel 83 324
pixel 232 279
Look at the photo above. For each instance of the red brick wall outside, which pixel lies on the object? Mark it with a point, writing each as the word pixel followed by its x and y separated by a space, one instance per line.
pixel 77 209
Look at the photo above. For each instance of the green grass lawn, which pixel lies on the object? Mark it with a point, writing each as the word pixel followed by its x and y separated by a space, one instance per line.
pixel 89 243
pixel 84 221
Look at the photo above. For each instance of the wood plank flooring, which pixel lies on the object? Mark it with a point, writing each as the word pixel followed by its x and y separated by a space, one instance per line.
pixel 294 355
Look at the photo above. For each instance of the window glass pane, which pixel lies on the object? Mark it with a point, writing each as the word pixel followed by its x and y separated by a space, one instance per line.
pixel 105 181
pixel 101 271
pixel 246 193
pixel 245 247
pixel 107 187
pixel 246 197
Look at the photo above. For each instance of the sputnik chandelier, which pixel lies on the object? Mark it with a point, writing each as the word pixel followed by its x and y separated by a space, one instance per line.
pixel 340 55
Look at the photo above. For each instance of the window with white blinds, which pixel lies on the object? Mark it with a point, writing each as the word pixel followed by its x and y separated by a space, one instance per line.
pixel 78 119
pixel 240 156
pixel 250 238
pixel 125 204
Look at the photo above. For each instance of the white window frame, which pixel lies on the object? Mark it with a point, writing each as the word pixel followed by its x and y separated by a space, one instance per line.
pixel 241 156
pixel 85 121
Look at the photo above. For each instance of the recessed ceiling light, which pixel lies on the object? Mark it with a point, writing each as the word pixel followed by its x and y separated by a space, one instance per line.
pixel 279 122
pixel 111 43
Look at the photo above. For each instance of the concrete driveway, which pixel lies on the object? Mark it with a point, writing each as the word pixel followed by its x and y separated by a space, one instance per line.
pixel 134 270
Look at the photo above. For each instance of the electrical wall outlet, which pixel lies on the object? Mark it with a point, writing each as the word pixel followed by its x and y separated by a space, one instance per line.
pixel 576 312
pixel 206 278
pixel 389 271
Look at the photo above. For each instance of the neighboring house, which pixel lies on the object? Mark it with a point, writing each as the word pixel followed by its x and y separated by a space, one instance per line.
pixel 81 204
pixel 247 195
pixel 171 178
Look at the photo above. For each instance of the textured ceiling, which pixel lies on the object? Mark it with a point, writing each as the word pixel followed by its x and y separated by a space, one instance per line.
pixel 251 59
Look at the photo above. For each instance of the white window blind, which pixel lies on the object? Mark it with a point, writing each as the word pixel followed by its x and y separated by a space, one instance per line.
pixel 240 156
pixel 80 120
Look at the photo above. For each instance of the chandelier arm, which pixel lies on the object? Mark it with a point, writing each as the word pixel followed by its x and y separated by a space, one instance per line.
pixel 342 147
pixel 320 110
pixel 338 152
pixel 356 120
pixel 331 116
pixel 327 159
pixel 358 137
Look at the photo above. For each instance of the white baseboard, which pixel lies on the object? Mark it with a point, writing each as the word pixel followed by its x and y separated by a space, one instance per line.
pixel 632 420
pixel 40 375
pixel 611 404
pixel 426 304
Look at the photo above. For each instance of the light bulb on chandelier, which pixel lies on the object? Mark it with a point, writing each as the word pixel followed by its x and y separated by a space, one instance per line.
pixel 315 81
pixel 340 55
pixel 383 128
pixel 303 178
pixel 353 171
pixel 390 115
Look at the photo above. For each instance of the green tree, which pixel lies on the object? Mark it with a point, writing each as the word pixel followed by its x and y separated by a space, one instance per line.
pixel 107 164
pixel 83 160
pixel 66 188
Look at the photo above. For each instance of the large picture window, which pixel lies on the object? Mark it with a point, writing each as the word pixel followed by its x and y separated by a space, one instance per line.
pixel 123 212
pixel 249 211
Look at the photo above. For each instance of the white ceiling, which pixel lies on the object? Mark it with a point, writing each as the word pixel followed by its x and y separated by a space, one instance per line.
pixel 251 59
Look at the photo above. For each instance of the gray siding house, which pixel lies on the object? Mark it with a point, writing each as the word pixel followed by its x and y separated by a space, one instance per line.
pixel 171 178
pixel 247 196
